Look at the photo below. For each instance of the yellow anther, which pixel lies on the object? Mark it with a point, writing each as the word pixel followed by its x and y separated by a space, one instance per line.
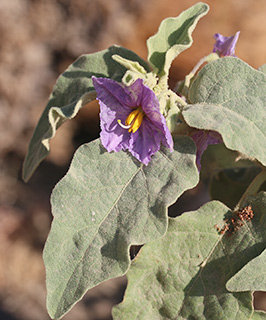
pixel 137 122
pixel 131 117
pixel 133 121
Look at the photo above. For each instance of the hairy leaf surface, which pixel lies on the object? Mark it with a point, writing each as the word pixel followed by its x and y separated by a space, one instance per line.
pixel 251 277
pixel 229 96
pixel 105 203
pixel 184 274
pixel 72 91
pixel 173 37
pixel 262 68
pixel 258 315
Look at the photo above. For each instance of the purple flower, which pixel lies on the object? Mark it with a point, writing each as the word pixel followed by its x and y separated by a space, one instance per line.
pixel 225 46
pixel 131 119
pixel 202 139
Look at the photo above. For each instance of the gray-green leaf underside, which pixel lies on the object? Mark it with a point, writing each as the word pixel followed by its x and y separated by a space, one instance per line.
pixel 72 91
pixel 229 96
pixel 184 274
pixel 173 37
pixel 105 203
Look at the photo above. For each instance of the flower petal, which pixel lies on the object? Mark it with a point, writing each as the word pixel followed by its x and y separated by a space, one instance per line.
pixel 153 131
pixel 135 91
pixel 113 136
pixel 151 108
pixel 225 46
pixel 202 139
pixel 113 94
pixel 116 103
pixel 145 142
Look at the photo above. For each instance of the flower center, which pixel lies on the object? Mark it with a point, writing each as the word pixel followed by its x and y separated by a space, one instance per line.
pixel 133 120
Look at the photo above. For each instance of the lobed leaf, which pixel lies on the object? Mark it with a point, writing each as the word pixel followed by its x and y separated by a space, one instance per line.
pixel 173 37
pixel 183 275
pixel 251 277
pixel 228 96
pixel 105 203
pixel 72 91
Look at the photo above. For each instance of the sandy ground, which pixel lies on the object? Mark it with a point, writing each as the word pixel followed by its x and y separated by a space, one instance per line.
pixel 39 39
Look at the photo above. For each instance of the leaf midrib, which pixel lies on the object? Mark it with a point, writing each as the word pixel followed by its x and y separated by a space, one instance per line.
pixel 96 232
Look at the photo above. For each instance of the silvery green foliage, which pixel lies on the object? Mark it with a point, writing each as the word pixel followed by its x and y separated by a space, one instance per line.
pixel 93 206
pixel 186 278
pixel 187 268
pixel 72 91
pixel 233 107
pixel 173 37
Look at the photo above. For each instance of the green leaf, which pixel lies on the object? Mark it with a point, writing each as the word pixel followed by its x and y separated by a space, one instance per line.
pixel 173 37
pixel 228 96
pixel 251 277
pixel 183 275
pixel 130 64
pixel 262 68
pixel 72 91
pixel 105 203
pixel 258 315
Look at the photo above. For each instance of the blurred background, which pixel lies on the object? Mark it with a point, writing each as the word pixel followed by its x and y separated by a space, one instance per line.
pixel 38 40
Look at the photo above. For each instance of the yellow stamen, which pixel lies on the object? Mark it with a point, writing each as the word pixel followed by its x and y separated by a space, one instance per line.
pixel 137 122
pixel 133 121
pixel 132 116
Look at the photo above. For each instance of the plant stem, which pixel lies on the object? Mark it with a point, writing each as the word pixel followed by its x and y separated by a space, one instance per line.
pixel 211 57
pixel 253 188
